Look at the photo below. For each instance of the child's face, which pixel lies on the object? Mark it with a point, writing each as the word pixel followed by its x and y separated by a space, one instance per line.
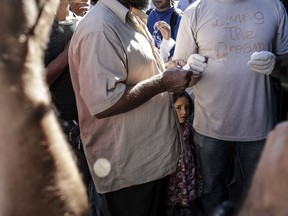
pixel 182 107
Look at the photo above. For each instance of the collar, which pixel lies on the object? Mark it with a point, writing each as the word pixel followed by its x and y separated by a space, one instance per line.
pixel 117 8
pixel 140 14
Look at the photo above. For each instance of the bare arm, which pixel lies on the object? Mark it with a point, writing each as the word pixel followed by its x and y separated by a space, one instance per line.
pixel 56 67
pixel 171 80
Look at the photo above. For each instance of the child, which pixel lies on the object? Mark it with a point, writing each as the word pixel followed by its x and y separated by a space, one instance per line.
pixel 185 183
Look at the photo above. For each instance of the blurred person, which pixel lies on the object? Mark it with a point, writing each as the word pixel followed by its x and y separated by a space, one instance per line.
pixel 59 81
pixel 37 171
pixel 268 193
pixel 234 105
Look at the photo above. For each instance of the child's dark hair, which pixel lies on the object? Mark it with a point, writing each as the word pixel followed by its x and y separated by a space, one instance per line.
pixel 176 95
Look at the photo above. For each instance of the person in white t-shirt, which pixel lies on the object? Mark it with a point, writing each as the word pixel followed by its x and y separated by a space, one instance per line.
pixel 234 44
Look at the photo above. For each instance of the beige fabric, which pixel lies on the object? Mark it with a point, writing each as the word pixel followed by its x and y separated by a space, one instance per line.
pixel 139 21
pixel 105 54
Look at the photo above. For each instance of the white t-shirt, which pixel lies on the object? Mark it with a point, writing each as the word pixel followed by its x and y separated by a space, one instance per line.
pixel 232 102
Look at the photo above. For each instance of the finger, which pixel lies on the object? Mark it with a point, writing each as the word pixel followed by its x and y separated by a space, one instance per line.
pixel 261 58
pixel 197 68
pixel 264 55
pixel 163 26
pixel 198 63
pixel 161 22
pixel 260 62
pixel 197 57
pixel 259 67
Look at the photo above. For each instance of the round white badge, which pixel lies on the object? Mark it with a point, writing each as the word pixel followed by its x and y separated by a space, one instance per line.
pixel 102 167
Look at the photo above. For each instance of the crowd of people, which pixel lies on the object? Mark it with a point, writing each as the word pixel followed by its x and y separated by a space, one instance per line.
pixel 173 112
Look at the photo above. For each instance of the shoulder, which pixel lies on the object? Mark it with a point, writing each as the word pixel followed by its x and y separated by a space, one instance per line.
pixel 178 11
pixel 177 14
pixel 152 15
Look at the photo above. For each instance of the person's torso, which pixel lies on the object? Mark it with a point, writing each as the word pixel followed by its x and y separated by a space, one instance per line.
pixel 140 144
pixel 232 102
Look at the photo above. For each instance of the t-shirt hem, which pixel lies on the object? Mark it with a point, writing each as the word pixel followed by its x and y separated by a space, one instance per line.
pixel 233 138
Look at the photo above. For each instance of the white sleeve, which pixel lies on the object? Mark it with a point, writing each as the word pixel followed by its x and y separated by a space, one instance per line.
pixel 165 47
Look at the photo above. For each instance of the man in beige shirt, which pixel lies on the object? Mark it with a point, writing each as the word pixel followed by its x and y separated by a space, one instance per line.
pixel 128 126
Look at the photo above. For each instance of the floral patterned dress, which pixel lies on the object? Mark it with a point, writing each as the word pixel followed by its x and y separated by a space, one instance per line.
pixel 185 184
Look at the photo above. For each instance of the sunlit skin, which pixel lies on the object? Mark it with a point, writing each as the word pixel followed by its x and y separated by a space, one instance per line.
pixel 63 13
pixel 182 107
pixel 80 7
pixel 164 28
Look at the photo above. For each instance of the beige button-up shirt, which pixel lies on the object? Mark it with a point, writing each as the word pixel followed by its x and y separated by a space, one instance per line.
pixel 105 54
